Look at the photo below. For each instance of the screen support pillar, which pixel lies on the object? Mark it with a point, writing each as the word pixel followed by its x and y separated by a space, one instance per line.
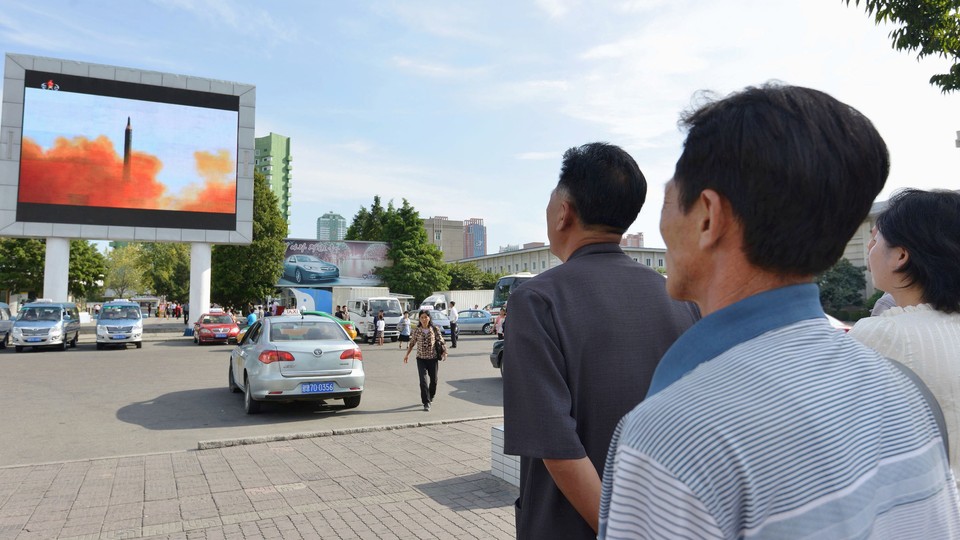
pixel 56 273
pixel 200 263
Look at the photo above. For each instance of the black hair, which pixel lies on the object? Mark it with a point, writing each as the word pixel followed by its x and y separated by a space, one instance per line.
pixel 427 313
pixel 799 168
pixel 927 225
pixel 604 184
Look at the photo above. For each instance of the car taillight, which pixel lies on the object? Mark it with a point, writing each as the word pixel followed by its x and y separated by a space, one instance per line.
pixel 351 353
pixel 269 357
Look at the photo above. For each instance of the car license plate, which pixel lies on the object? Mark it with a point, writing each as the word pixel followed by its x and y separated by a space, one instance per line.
pixel 316 387
pixel 118 337
pixel 34 339
pixel 220 336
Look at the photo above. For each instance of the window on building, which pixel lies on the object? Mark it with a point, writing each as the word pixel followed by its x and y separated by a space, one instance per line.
pixel 543 264
pixel 524 267
pixel 649 261
pixel 436 235
pixel 659 263
pixel 256 152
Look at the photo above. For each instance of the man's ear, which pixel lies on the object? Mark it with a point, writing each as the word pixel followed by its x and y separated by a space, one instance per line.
pixel 566 216
pixel 715 218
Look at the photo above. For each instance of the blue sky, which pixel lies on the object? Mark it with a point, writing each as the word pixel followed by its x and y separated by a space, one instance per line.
pixel 465 108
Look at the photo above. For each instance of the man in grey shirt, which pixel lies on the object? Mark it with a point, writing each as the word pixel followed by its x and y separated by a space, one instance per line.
pixel 584 340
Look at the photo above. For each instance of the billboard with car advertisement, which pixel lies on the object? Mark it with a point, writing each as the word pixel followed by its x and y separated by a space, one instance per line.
pixel 320 263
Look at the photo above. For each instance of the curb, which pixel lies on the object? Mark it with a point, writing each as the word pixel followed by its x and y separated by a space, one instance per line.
pixel 224 443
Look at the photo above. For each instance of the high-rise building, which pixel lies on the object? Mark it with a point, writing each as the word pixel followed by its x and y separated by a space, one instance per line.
pixel 447 234
pixel 272 158
pixel 331 227
pixel 474 238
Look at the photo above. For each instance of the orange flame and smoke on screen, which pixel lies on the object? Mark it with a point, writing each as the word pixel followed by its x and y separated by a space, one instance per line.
pixel 84 172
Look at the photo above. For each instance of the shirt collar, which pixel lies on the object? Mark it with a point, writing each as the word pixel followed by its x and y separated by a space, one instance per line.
pixel 592 249
pixel 735 324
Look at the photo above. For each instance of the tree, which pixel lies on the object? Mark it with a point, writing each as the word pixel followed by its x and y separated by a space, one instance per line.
pixel 931 27
pixel 243 274
pixel 468 277
pixel 124 272
pixel 418 268
pixel 368 226
pixel 165 270
pixel 21 265
pixel 88 267
pixel 842 286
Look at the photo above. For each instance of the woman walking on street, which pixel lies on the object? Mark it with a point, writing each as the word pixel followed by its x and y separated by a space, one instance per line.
pixel 431 349
pixel 404 327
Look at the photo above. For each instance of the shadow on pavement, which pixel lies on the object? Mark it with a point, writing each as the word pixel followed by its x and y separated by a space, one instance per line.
pixel 482 490
pixel 487 391
pixel 216 407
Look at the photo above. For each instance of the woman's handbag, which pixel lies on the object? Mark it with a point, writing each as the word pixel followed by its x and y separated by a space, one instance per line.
pixel 438 346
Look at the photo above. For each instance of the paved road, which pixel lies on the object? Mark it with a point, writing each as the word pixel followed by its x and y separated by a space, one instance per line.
pixel 171 394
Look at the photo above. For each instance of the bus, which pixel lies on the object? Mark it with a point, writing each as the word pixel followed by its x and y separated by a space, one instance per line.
pixel 505 286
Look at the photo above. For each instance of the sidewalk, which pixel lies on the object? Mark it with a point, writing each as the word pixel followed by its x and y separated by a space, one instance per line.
pixel 430 481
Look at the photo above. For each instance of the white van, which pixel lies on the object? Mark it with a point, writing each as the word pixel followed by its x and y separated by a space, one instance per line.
pixel 120 322
pixel 363 313
pixel 46 323
pixel 435 301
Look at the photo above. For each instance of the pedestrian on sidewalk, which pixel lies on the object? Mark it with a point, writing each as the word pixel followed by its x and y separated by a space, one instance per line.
pixel 404 327
pixel 431 350
pixel 380 328
pixel 454 316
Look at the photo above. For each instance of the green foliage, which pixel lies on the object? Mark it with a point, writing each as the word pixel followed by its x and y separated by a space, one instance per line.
pixel 842 286
pixel 165 270
pixel 243 274
pixel 368 225
pixel 468 277
pixel 418 268
pixel 930 27
pixel 124 273
pixel 88 268
pixel 21 265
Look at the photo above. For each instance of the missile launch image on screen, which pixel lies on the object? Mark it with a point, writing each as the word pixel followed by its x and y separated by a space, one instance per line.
pixel 78 150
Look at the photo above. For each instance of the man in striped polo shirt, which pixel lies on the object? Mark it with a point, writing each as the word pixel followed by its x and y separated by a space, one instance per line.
pixel 761 420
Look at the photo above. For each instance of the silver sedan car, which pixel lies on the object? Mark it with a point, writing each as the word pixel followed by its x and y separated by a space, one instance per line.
pixel 296 358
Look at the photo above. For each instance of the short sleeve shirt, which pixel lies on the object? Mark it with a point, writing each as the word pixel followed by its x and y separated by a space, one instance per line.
pixel 584 340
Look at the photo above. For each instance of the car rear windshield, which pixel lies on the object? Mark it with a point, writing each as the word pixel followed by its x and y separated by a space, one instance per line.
pixel 306 331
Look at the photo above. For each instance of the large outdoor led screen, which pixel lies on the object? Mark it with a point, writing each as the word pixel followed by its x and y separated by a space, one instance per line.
pixel 152 151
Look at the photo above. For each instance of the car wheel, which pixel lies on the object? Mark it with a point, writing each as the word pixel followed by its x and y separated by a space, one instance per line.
pixel 18 348
pixel 351 402
pixel 298 276
pixel 65 345
pixel 250 405
pixel 500 360
pixel 99 346
pixel 488 329
pixel 139 345
pixel 73 342
pixel 3 342
pixel 230 382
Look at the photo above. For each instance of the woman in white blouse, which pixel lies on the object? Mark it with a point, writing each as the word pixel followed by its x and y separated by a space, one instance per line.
pixel 915 256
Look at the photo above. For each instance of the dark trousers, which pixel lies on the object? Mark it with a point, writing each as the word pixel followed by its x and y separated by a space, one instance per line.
pixel 453 334
pixel 427 368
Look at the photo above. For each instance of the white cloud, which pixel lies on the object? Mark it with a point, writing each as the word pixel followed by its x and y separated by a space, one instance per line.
pixel 437 70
